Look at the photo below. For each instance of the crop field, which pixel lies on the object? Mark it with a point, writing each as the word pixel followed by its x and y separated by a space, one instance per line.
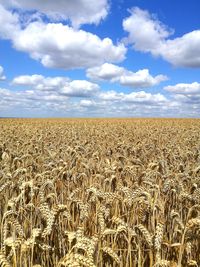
pixel 99 192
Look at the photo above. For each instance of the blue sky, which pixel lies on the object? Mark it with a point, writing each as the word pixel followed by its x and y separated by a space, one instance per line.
pixel 84 58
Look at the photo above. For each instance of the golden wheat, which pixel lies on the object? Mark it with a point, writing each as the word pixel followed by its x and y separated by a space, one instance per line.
pixel 99 192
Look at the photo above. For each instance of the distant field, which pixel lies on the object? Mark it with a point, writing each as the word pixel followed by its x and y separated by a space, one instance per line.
pixel 100 192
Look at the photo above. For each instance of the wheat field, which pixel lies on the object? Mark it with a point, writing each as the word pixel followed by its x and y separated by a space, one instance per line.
pixel 99 192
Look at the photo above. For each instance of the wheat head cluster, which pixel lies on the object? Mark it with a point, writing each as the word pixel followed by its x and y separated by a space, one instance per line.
pixel 99 192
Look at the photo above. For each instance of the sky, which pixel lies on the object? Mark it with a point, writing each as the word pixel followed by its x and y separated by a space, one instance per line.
pixel 105 58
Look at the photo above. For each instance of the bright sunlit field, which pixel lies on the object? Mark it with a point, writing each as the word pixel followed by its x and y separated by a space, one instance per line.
pixel 100 192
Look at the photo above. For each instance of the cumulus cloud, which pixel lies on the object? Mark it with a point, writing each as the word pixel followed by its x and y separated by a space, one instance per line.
pixel 80 88
pixel 60 46
pixel 9 23
pixel 183 51
pixel 153 37
pixel 61 85
pixel 2 76
pixel 111 95
pixel 184 88
pixel 40 90
pixel 40 82
pixel 146 33
pixel 5 92
pixel 139 97
pixel 188 99
pixel 112 103
pixel 31 103
pixel 107 72
pixel 57 45
pixel 113 73
pixel 28 80
pixel 147 104
pixel 87 103
pixel 141 79
pixel 145 98
pixel 49 90
pixel 29 95
pixel 102 103
pixel 185 92
pixel 77 11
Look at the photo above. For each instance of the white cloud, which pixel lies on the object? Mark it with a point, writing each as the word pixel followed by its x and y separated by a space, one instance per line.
pixel 183 51
pixel 5 92
pixel 40 82
pixel 189 99
pixel 58 46
pixel 153 37
pixel 146 33
pixel 28 98
pixel 113 73
pixel 78 11
pixel 80 88
pixel 141 79
pixel 111 96
pixel 184 88
pixel 107 72
pixel 31 103
pixel 139 97
pixel 2 76
pixel 28 80
pixel 185 92
pixel 59 89
pixel 87 103
pixel 102 104
pixel 145 98
pixel 59 85
pixel 118 104
pixel 9 24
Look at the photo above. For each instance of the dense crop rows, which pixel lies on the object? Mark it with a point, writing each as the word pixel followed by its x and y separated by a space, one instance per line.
pixel 100 193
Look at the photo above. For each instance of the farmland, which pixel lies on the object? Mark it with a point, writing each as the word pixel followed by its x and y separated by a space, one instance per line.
pixel 100 192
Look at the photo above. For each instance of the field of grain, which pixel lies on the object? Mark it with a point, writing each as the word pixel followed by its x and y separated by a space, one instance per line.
pixel 99 192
